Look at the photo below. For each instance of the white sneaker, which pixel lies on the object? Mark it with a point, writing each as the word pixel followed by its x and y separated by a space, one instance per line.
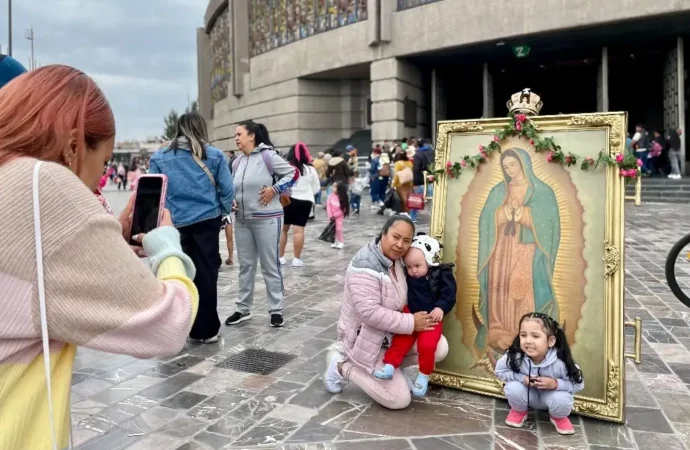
pixel 296 262
pixel 283 261
pixel 334 245
pixel 332 380
pixel 375 206
pixel 339 245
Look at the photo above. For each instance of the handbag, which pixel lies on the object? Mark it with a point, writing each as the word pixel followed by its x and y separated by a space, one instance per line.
pixel 42 304
pixel 405 176
pixel 415 201
pixel 328 234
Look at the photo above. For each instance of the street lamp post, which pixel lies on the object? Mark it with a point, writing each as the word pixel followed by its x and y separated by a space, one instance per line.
pixel 29 35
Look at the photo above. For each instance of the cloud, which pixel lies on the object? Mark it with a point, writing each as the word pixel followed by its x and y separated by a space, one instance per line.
pixel 141 53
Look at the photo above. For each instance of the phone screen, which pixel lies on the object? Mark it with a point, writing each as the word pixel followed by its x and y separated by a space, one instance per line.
pixel 146 205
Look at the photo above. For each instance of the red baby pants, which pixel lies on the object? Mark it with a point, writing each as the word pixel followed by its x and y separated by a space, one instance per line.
pixel 426 347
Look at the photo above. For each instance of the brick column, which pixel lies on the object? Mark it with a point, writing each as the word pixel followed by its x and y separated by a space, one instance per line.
pixel 393 81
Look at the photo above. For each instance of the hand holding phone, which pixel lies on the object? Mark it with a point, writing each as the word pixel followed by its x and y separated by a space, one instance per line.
pixel 149 206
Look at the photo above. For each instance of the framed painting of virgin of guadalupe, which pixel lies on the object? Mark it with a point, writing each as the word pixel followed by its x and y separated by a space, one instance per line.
pixel 530 211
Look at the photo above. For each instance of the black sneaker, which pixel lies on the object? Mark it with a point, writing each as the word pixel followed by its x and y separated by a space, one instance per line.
pixel 237 318
pixel 276 320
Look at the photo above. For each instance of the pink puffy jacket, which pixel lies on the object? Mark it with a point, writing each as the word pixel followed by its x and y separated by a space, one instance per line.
pixel 372 304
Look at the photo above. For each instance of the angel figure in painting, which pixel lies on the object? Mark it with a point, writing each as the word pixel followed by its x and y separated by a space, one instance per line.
pixel 519 235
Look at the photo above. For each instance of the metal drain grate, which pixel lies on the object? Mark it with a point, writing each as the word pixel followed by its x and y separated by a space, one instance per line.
pixel 253 360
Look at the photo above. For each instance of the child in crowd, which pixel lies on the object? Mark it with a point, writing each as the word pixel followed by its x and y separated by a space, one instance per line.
pixel 430 288
pixel 356 190
pixel 338 209
pixel 539 371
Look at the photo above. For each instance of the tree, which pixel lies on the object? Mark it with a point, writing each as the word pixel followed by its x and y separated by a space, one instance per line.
pixel 193 108
pixel 170 124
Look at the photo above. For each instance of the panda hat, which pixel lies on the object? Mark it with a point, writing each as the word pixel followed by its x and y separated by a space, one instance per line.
pixel 428 245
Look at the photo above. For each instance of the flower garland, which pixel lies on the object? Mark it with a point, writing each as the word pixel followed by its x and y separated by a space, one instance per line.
pixel 522 126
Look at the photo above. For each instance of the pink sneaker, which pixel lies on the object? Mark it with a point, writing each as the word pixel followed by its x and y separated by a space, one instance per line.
pixel 563 425
pixel 516 419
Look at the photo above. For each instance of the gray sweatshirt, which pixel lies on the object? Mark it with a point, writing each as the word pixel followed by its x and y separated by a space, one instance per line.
pixel 551 367
pixel 251 175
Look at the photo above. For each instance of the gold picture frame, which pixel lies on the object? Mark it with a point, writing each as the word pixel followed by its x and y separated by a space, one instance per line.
pixel 603 254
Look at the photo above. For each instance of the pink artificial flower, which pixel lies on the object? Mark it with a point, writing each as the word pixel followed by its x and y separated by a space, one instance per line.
pixel 633 173
pixel 497 139
pixel 531 142
pixel 463 163
pixel 639 162
pixel 518 126
pixel 481 148
pixel 449 164
pixel 619 158
pixel 521 117
pixel 589 160
pixel 624 173
pixel 549 156
pixel 484 155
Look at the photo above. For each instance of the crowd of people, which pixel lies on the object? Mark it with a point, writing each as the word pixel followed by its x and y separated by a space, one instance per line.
pixel 660 154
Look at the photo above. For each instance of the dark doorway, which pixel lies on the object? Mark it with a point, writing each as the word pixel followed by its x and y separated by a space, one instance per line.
pixel 566 85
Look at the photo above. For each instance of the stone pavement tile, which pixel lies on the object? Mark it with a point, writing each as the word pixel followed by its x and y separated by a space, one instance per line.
pixel 647 419
pixel 683 432
pixel 420 419
pixel 79 377
pixel 314 396
pixel 157 442
pixel 646 441
pixel 170 386
pixel 381 444
pixel 636 394
pixel 551 440
pixel 500 416
pixel 652 364
pixel 89 387
pixel 676 407
pixel 607 434
pixel 193 445
pixel 228 399
pixel 682 371
pixel 82 435
pixel 215 381
pixel 183 427
pixel 458 442
pixel 256 383
pixel 240 419
pixel 125 389
pixel 184 400
pixel 151 420
pixel 663 383
pixel 293 413
pixel 279 391
pixel 176 366
pixel 203 368
pixel 672 353
pixel 269 432
pixel 328 423
pixel 129 371
pixel 657 335
pixel 514 439
pixel 117 439
pixel 212 441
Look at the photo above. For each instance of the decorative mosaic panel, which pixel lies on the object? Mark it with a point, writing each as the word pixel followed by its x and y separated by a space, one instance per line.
pixel 407 4
pixel 671 91
pixel 221 53
pixel 274 23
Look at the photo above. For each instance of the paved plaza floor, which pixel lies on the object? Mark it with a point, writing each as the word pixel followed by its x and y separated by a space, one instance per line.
pixel 192 401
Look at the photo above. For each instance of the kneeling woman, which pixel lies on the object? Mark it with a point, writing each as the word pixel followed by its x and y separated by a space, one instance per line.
pixel 375 295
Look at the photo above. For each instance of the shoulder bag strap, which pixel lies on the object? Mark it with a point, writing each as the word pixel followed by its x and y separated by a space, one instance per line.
pixel 205 168
pixel 42 299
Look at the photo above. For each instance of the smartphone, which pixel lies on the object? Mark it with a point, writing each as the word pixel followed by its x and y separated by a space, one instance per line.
pixel 149 204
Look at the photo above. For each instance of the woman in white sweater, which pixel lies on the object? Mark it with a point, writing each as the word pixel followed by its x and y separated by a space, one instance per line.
pixel 301 202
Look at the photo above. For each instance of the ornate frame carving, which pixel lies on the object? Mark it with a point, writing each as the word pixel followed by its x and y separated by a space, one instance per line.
pixel 611 405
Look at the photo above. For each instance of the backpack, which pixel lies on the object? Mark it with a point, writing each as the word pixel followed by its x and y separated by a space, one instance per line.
pixel 266 156
pixel 656 149
pixel 435 277
pixel 385 170
pixel 644 140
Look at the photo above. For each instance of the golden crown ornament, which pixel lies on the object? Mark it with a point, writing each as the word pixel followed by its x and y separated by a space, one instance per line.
pixel 525 102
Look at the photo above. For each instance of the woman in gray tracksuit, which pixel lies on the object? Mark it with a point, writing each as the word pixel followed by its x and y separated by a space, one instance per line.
pixel 260 175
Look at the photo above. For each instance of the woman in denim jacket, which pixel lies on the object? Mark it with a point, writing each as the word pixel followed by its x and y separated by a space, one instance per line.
pixel 197 200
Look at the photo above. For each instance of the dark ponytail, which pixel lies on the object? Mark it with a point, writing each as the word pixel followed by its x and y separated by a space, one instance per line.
pixel 258 130
pixel 551 328
pixel 392 220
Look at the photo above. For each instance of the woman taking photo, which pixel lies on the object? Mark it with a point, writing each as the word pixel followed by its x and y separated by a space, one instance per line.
pixel 56 132
pixel 260 176
pixel 375 294
pixel 200 192
pixel 301 202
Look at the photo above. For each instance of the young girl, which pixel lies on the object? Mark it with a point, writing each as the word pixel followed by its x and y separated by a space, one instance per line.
pixel 338 209
pixel 539 371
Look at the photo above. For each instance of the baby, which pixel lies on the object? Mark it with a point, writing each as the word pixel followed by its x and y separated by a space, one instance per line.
pixel 430 288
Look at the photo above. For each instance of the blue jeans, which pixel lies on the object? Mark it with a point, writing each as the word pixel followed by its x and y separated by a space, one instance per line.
pixel 647 164
pixel 374 188
pixel 355 200
pixel 317 198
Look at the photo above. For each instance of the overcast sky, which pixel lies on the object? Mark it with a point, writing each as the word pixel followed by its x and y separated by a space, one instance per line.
pixel 142 53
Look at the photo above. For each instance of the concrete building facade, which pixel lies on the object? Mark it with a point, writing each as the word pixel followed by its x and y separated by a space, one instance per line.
pixel 320 70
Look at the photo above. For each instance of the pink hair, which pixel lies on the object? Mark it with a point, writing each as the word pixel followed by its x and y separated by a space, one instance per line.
pixel 302 152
